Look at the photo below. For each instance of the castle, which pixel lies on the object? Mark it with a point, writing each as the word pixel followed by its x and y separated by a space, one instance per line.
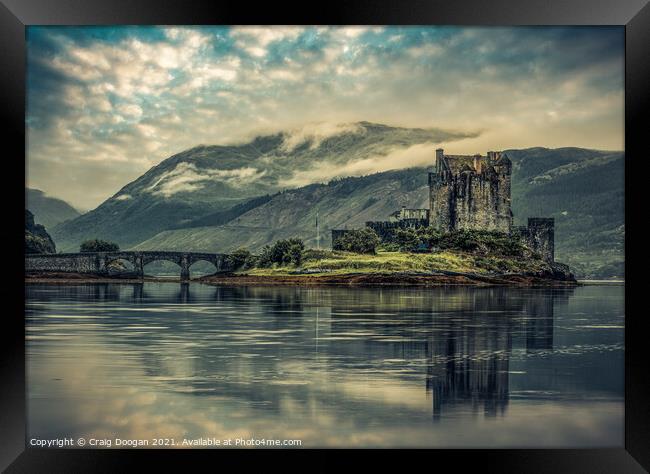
pixel 469 192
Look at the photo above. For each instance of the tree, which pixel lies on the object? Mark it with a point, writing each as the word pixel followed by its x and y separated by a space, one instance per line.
pixel 359 241
pixel 264 258
pixel 287 251
pixel 282 252
pixel 240 258
pixel 97 245
pixel 295 252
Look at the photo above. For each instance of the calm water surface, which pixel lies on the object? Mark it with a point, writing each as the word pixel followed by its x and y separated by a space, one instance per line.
pixel 448 367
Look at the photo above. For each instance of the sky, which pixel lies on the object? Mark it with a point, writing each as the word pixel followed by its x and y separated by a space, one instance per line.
pixel 105 104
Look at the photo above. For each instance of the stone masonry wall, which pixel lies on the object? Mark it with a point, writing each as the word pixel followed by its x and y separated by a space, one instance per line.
pixel 470 193
pixel 539 236
pixel 62 263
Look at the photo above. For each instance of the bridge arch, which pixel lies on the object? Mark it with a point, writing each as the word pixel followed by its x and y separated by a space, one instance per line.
pixel 175 261
pixel 119 265
pixel 206 266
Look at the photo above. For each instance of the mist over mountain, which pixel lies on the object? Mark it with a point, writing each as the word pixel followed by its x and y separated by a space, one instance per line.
pixel 48 211
pixel 208 180
pixel 582 189
pixel 218 198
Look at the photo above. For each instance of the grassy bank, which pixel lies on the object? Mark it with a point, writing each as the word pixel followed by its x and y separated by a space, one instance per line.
pixel 341 263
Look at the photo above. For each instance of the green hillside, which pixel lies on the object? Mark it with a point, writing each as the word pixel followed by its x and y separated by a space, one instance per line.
pixel 47 210
pixel 211 184
pixel 217 198
pixel 582 189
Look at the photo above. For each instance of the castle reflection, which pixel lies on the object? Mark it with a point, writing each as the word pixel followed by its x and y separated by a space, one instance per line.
pixel 455 343
pixel 468 354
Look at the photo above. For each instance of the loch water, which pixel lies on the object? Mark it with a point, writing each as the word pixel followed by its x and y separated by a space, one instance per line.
pixel 329 366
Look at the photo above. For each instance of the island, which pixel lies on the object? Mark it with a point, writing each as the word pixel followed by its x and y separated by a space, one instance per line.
pixel 465 237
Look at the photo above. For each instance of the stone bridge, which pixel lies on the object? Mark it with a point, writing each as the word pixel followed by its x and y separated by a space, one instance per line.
pixel 98 262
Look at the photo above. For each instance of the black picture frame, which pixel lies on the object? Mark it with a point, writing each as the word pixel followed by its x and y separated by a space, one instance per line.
pixel 15 15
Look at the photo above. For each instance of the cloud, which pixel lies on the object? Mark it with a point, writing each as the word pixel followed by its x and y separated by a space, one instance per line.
pixel 316 133
pixel 416 155
pixel 255 39
pixel 130 110
pixel 185 177
pixel 125 98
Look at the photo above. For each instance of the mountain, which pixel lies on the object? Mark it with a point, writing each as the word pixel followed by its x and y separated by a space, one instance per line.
pixel 582 189
pixel 47 210
pixel 37 240
pixel 217 198
pixel 212 184
pixel 341 203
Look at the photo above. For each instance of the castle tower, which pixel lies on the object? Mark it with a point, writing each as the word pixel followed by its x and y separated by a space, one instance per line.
pixel 439 197
pixel 503 169
pixel 470 192
pixel 539 236
pixel 439 156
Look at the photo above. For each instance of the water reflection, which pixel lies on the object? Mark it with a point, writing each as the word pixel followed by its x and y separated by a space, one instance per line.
pixel 337 366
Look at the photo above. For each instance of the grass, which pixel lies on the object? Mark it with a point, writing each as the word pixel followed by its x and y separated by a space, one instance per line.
pixel 340 263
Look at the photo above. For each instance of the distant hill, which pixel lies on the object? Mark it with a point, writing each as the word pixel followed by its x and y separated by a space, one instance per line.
pixel 217 198
pixel 47 210
pixel 582 189
pixel 37 240
pixel 348 202
pixel 209 182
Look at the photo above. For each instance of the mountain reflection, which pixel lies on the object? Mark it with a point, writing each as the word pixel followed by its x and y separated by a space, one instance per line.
pixel 264 344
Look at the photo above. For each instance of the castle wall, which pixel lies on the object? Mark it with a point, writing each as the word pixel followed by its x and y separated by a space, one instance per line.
pixel 440 203
pixel 405 213
pixel 384 229
pixel 503 202
pixel 470 192
pixel 539 236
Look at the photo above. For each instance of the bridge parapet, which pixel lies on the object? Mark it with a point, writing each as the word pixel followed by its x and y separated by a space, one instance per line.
pixel 97 262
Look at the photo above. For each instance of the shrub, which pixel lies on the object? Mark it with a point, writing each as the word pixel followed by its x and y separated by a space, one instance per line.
pixel 282 252
pixel 408 240
pixel 241 258
pixel 473 241
pixel 316 254
pixel 295 252
pixel 97 245
pixel 264 258
pixel 389 247
pixel 358 241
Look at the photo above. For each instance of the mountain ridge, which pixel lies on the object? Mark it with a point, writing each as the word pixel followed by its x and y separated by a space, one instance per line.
pixel 208 179
pixel 218 197
pixel 47 210
pixel 590 239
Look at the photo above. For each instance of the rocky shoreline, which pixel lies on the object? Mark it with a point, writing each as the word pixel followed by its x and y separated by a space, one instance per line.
pixel 390 279
pixel 349 279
